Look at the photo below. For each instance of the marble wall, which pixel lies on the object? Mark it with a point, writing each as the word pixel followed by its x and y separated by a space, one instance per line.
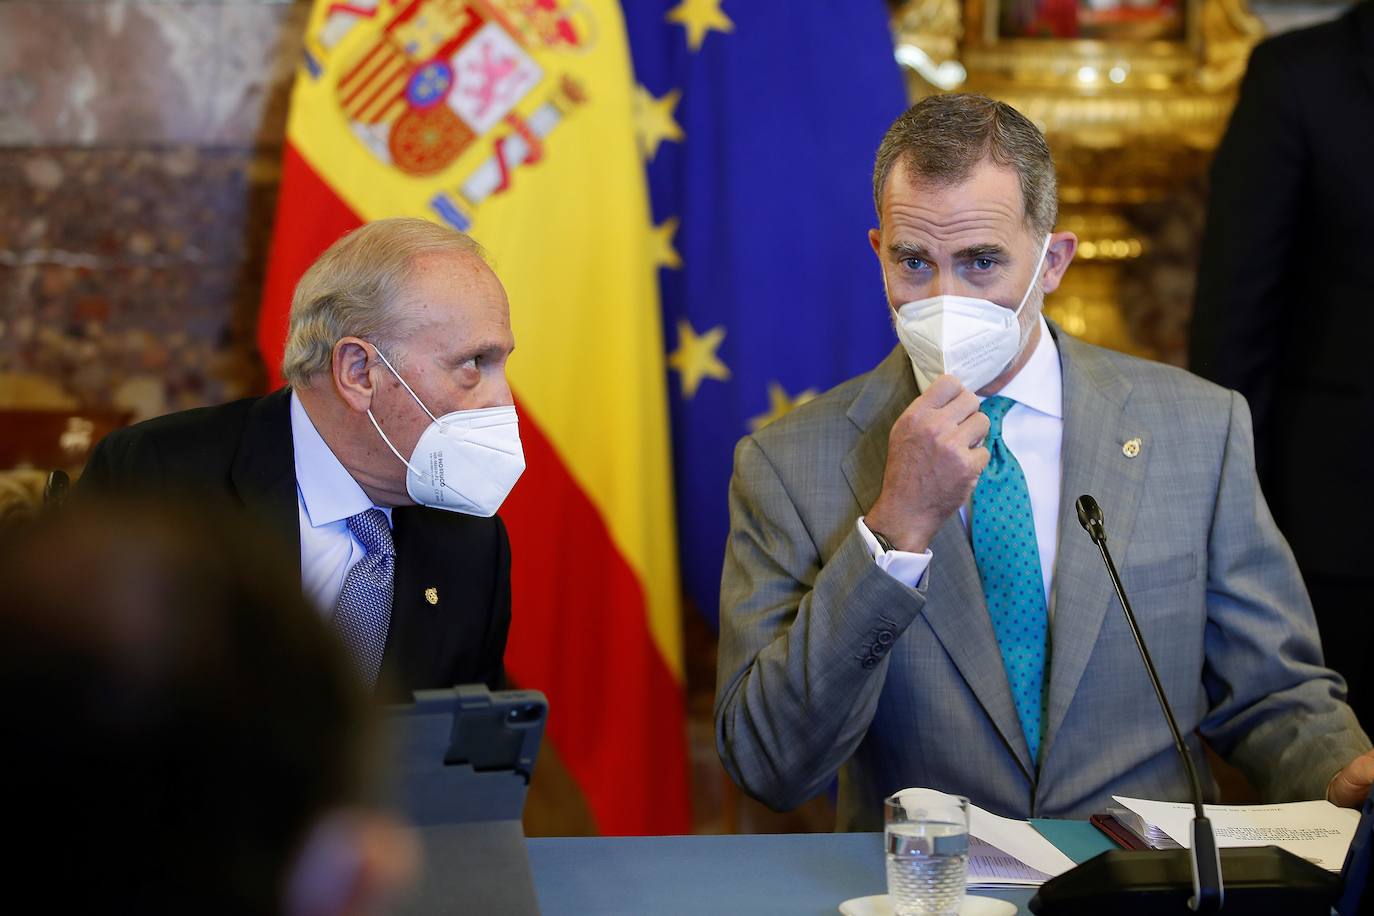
pixel 139 152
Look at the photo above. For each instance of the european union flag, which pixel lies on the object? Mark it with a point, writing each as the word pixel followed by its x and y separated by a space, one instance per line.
pixel 759 121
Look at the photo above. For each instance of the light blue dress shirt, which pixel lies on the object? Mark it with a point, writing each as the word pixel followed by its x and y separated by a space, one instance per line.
pixel 327 495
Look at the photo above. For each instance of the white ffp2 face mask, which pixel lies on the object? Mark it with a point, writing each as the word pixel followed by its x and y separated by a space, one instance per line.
pixel 973 340
pixel 466 461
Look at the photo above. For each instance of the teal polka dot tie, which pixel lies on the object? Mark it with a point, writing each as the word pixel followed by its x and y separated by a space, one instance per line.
pixel 1008 560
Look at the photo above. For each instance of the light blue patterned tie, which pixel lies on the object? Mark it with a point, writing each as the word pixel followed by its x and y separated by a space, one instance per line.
pixel 1008 558
pixel 362 615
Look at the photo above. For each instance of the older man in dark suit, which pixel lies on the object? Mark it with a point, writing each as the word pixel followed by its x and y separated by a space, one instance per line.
pixel 383 463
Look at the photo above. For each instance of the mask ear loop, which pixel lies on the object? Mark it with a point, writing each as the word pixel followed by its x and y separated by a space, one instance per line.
pixel 387 440
pixel 1035 275
pixel 382 357
pixel 377 426
pixel 421 474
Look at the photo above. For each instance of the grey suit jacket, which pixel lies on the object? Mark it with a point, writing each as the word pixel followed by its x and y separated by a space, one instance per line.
pixel 826 662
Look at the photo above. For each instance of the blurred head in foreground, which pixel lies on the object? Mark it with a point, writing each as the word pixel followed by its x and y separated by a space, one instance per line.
pixel 182 732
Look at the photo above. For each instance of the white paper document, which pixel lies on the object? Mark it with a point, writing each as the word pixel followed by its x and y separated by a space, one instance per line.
pixel 1007 853
pixel 1316 830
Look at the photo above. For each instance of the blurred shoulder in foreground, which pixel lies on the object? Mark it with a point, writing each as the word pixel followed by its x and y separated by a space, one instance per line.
pixel 183 733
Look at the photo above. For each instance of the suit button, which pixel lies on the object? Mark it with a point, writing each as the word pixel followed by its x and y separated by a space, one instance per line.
pixel 870 662
pixel 885 637
pixel 879 650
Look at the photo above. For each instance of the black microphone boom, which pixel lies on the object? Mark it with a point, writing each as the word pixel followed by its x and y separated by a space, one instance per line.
pixel 1258 880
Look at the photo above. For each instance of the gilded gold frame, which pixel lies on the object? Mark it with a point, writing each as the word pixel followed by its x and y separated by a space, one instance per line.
pixel 1210 59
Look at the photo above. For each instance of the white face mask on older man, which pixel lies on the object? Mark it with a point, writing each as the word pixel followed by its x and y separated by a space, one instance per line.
pixel 466 461
pixel 974 340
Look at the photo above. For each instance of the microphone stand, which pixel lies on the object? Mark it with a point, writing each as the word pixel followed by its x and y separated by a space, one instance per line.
pixel 1261 880
pixel 1208 891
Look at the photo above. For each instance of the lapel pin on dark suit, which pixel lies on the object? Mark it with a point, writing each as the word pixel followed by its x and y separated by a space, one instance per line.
pixel 432 595
pixel 1131 447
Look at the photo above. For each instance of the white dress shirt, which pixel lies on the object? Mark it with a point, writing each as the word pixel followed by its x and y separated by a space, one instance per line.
pixel 327 496
pixel 1034 432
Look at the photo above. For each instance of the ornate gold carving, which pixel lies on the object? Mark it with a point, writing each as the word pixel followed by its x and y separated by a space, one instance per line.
pixel 928 33
pixel 1229 33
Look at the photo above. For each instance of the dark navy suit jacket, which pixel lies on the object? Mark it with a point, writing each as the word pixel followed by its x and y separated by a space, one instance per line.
pixel 242 453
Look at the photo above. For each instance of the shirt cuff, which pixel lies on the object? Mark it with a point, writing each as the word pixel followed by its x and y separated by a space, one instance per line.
pixel 906 567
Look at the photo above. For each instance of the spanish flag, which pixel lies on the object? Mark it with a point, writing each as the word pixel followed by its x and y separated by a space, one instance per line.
pixel 513 120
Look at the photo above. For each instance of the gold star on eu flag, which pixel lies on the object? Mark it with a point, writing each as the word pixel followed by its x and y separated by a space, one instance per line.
pixel 695 357
pixel 779 405
pixel 699 17
pixel 654 121
pixel 661 240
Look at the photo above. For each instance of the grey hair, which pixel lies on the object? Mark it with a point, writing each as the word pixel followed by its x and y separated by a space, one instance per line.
pixel 942 138
pixel 351 290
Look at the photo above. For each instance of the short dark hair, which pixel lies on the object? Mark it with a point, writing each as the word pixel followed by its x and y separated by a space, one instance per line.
pixel 942 138
pixel 177 716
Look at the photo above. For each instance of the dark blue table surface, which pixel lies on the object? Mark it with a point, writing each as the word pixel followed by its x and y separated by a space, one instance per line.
pixel 799 874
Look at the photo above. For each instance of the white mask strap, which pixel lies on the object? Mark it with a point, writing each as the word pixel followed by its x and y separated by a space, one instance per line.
pixel 383 358
pixel 421 474
pixel 387 440
pixel 1035 275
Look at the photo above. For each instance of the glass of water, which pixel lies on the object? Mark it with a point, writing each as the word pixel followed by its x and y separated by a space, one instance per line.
pixel 926 837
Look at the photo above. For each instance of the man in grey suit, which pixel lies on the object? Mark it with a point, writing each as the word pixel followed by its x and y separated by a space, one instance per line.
pixel 907 596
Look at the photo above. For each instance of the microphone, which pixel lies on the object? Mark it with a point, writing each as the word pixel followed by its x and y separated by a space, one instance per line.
pixel 1090 517
pixel 1208 890
pixel 1262 880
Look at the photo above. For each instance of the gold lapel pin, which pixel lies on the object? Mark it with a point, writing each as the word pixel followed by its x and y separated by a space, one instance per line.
pixel 432 595
pixel 1131 447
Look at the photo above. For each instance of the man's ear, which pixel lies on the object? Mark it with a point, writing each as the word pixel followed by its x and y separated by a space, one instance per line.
pixel 351 369
pixel 1063 246
pixel 875 238
pixel 352 863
